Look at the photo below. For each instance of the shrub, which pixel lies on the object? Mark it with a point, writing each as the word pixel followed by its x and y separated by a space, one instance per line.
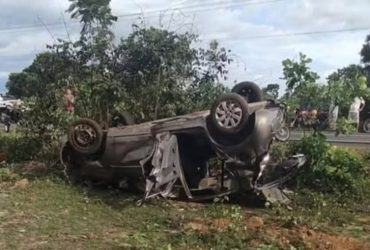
pixel 280 151
pixel 18 147
pixel 345 126
pixel 331 169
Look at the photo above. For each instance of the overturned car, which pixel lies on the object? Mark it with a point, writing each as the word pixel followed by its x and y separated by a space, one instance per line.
pixel 204 155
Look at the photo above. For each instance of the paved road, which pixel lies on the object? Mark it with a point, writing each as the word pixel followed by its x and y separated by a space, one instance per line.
pixel 353 140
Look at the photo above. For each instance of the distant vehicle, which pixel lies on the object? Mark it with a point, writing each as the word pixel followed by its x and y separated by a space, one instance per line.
pixel 204 155
pixel 9 111
pixel 365 118
pixel 9 102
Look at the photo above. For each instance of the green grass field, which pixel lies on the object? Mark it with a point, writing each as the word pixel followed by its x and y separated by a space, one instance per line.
pixel 46 213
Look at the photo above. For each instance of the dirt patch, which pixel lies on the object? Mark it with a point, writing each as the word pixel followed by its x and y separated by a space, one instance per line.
pixel 221 224
pixel 22 184
pixel 313 239
pixel 255 222
pixel 198 225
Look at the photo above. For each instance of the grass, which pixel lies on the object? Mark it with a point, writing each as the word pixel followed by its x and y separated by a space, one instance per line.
pixel 49 214
pixel 52 215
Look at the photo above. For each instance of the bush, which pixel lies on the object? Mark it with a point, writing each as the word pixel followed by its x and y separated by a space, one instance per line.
pixel 279 151
pixel 331 169
pixel 18 147
pixel 345 126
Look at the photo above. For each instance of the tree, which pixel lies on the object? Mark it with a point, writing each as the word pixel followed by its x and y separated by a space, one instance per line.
pixel 153 73
pixel 300 81
pixel 21 84
pixel 93 14
pixel 298 74
pixel 209 67
pixel 345 84
pixel 365 58
pixel 46 68
pixel 154 66
pixel 271 91
pixel 365 51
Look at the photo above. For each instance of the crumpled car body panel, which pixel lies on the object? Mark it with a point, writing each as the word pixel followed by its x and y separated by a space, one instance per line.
pixel 171 154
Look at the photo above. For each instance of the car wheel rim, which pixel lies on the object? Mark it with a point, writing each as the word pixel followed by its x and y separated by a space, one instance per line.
pixel 84 135
pixel 229 114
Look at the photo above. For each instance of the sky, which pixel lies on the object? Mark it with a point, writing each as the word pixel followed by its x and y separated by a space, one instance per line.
pixel 260 33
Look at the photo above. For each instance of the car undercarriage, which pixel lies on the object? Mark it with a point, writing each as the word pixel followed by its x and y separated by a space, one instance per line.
pixel 199 156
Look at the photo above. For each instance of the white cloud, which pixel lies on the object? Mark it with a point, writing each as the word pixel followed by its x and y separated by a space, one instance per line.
pixel 233 26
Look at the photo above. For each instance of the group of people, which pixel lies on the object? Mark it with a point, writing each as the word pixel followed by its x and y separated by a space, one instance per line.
pixel 316 118
pixel 308 118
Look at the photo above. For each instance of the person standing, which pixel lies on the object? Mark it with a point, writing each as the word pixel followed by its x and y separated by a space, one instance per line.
pixel 333 116
pixel 69 100
pixel 354 111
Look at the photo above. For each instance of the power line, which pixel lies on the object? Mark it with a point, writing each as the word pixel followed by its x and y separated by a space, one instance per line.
pixel 184 9
pixel 318 32
pixel 195 8
pixel 272 36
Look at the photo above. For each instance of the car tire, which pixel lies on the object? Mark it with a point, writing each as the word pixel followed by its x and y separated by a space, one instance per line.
pixel 229 113
pixel 249 90
pixel 366 126
pixel 85 136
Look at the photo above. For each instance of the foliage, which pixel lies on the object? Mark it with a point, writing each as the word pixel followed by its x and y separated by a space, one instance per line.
pixel 44 74
pixel 365 51
pixel 298 74
pixel 301 82
pixel 345 84
pixel 6 173
pixel 209 68
pixel 18 147
pixel 271 91
pixel 331 169
pixel 154 66
pixel 101 219
pixel 153 73
pixel 314 147
pixel 21 84
pixel 92 12
pixel 345 126
pixel 279 151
